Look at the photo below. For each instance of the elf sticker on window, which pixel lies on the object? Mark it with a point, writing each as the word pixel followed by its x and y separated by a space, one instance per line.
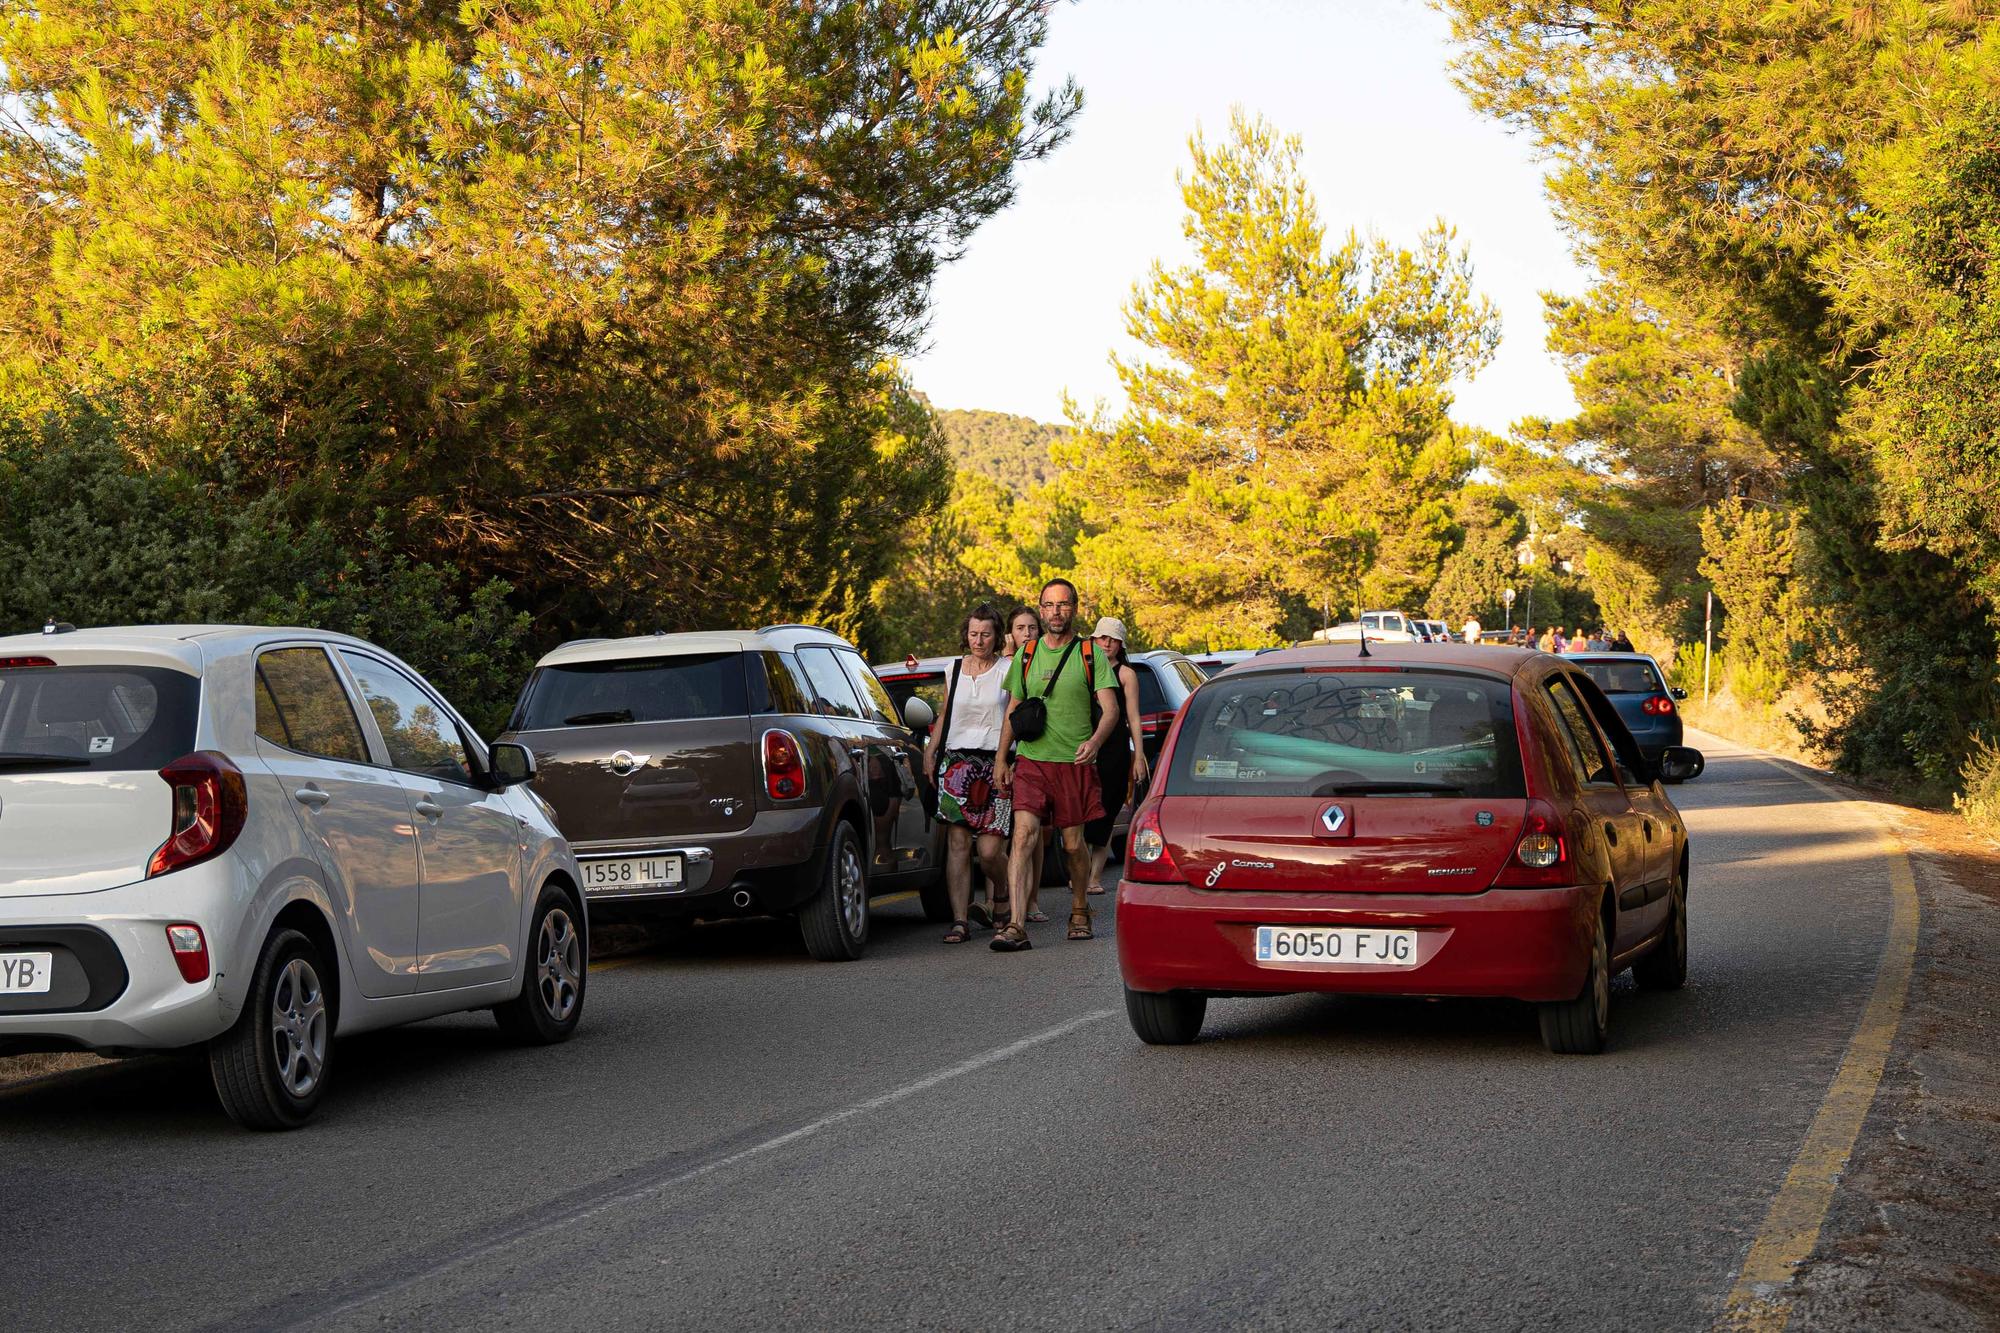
pixel 102 744
pixel 1215 768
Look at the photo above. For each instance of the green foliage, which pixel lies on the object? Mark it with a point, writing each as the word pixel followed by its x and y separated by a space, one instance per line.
pixel 89 537
pixel 600 297
pixel 1751 558
pixel 1287 442
pixel 1471 578
pixel 921 606
pixel 1011 450
pixel 1793 208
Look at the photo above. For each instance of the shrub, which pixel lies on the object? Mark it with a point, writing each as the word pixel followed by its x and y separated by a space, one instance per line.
pixel 90 537
pixel 1978 798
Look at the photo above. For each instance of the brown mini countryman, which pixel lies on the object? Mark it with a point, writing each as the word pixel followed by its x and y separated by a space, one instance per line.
pixel 755 772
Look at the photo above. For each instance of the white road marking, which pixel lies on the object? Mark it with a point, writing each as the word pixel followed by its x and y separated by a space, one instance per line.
pixel 638 1193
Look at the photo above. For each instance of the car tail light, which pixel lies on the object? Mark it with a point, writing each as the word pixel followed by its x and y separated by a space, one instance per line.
pixel 210 804
pixel 1152 724
pixel 1147 860
pixel 784 766
pixel 9 663
pixel 190 951
pixel 1541 857
pixel 1658 706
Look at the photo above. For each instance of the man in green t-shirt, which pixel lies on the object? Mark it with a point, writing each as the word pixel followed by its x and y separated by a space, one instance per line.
pixel 1055 777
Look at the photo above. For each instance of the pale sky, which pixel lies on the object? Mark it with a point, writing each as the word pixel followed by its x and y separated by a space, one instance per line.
pixel 1035 305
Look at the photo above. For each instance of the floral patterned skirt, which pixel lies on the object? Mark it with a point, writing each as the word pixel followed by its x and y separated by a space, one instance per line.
pixel 966 794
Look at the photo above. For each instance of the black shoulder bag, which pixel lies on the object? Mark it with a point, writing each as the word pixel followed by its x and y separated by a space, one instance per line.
pixel 1031 715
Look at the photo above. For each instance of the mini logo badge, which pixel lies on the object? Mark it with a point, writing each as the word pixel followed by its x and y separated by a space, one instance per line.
pixel 625 762
pixel 1484 819
pixel 1214 875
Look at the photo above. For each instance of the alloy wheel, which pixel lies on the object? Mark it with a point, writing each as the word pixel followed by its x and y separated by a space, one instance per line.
pixel 853 889
pixel 298 1028
pixel 558 964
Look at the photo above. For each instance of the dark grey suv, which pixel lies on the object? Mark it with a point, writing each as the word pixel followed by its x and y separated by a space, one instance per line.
pixel 738 773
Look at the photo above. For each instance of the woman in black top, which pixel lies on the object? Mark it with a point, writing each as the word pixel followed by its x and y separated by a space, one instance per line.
pixel 1121 764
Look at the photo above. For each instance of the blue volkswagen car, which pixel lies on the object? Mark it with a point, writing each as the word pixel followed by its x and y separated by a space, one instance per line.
pixel 1640 694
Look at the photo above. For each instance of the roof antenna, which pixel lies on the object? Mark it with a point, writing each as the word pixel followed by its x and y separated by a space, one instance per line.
pixel 1364 644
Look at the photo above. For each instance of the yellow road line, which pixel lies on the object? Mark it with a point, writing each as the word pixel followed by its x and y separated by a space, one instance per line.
pixel 1761 1300
pixel 905 896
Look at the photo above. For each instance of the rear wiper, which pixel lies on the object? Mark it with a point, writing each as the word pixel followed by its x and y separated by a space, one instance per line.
pixel 596 719
pixel 23 759
pixel 1386 789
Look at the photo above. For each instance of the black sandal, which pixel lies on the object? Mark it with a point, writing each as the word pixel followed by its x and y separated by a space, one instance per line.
pixel 1012 939
pixel 977 914
pixel 1082 932
pixel 959 933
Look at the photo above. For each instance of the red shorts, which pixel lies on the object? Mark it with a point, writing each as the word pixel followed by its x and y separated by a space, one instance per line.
pixel 1059 795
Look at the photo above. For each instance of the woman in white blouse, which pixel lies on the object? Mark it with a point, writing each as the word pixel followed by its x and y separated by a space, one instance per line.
pixel 960 755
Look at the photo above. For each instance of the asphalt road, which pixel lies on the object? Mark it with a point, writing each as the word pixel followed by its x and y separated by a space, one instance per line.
pixel 952 1138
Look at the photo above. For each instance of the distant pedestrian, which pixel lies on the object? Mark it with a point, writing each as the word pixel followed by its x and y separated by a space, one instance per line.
pixel 1547 643
pixel 1622 644
pixel 1472 629
pixel 1023 628
pixel 1121 764
pixel 1055 778
pixel 960 755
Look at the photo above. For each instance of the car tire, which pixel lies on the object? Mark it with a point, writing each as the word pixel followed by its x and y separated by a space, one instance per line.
pixel 270 1068
pixel 1579 1026
pixel 834 920
pixel 1170 1019
pixel 1666 967
pixel 554 977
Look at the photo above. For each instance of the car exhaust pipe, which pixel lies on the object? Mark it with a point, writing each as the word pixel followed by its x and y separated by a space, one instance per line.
pixel 741 899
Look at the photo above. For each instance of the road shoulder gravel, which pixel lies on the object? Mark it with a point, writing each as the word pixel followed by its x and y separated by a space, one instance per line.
pixel 1912 1240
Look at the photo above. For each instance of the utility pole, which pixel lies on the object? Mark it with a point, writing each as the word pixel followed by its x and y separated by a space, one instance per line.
pixel 1707 642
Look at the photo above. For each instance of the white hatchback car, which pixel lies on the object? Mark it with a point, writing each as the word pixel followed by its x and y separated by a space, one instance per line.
pixel 261 839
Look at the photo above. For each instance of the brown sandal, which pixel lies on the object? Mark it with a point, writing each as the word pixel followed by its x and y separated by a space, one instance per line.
pixel 1012 939
pixel 1082 932
pixel 960 933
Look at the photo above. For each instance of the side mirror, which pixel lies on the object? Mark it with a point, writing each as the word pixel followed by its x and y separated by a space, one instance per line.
pixel 917 715
pixel 1678 692
pixel 1678 763
pixel 512 763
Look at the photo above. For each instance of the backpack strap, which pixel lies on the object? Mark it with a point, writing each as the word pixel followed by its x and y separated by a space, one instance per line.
pixel 950 693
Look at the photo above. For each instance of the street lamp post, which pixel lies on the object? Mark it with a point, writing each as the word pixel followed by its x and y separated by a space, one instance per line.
pixel 1507 598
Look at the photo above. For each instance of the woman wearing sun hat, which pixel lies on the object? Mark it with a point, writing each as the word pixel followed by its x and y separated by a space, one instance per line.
pixel 1121 764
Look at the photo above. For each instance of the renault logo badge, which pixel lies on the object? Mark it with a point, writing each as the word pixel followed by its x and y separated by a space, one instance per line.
pixel 1333 818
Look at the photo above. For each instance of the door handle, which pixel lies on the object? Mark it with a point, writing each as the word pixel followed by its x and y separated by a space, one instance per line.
pixel 428 808
pixel 311 797
pixel 1649 830
pixel 1611 833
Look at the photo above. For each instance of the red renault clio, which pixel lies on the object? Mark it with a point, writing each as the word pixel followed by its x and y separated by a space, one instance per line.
pixel 1430 820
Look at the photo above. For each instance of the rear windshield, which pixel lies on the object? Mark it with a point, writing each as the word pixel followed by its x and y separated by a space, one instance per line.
pixel 1624 677
pixel 640 689
pixel 1332 733
pixel 95 718
pixel 929 688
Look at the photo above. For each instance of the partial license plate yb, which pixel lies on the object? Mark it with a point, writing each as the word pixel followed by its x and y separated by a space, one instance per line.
pixel 26 973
